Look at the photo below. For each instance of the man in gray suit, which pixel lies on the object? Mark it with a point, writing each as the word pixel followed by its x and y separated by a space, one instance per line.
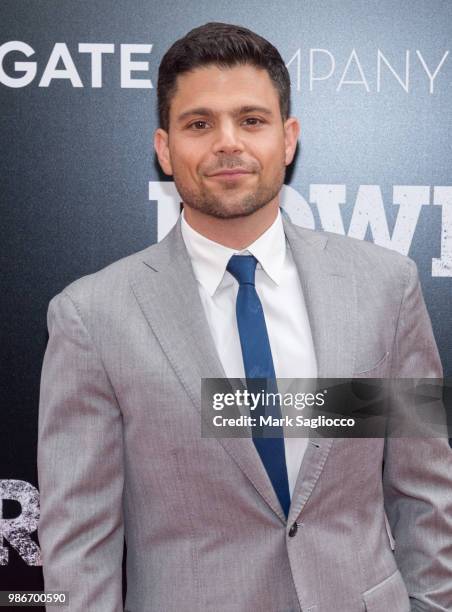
pixel 228 524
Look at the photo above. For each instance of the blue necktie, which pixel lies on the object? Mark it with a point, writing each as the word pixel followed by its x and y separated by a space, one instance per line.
pixel 258 362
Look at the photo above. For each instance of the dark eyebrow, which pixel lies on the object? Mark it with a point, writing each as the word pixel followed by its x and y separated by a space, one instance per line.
pixel 206 112
pixel 253 109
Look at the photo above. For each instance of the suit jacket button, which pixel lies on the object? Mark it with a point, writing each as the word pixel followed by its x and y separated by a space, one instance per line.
pixel 293 530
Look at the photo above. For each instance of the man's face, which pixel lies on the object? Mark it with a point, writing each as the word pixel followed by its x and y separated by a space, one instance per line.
pixel 227 145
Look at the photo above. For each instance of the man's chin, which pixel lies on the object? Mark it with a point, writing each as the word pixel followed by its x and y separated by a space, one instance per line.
pixel 223 209
pixel 233 213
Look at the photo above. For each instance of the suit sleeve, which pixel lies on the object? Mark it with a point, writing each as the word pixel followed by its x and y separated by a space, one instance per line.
pixel 80 468
pixel 417 476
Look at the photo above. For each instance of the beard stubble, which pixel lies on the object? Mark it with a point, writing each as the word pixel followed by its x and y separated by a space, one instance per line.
pixel 209 203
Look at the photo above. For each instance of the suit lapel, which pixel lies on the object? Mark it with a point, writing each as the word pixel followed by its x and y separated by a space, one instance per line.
pixel 167 291
pixel 329 292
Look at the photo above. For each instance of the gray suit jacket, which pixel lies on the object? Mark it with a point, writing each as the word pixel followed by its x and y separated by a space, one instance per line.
pixel 121 452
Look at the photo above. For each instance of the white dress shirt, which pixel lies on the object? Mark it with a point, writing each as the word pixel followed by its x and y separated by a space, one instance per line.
pixel 279 289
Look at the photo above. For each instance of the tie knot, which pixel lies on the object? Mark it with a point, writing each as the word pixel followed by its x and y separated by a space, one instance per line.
pixel 243 268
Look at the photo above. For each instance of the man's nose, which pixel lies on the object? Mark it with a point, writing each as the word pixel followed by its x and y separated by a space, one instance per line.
pixel 228 139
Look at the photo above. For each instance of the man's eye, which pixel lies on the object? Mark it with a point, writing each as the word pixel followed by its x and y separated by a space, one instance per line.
pixel 198 125
pixel 252 121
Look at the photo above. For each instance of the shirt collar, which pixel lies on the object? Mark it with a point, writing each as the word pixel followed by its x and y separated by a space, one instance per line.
pixel 209 259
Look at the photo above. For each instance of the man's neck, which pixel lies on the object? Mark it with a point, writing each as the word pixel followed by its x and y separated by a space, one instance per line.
pixel 237 233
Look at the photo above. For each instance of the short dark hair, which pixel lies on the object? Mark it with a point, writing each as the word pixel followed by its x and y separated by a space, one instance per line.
pixel 223 45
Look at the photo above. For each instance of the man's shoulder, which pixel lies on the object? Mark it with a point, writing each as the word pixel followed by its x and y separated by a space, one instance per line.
pixel 363 255
pixel 111 283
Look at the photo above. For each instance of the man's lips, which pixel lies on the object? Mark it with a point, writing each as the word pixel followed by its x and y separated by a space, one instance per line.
pixel 229 173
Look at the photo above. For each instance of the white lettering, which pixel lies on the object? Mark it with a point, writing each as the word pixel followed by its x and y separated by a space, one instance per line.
pixel 442 196
pixel 410 199
pixel 369 214
pixel 328 199
pixel 60 52
pixel 28 67
pixel 404 84
pixel 128 66
pixel 353 58
pixel 296 207
pixel 431 76
pixel 297 58
pixel 96 50
pixel 17 530
pixel 168 205
pixel 313 78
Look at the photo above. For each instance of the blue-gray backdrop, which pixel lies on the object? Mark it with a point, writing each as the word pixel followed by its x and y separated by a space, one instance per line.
pixel 80 188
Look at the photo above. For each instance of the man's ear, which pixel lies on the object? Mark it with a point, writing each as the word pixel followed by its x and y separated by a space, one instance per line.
pixel 291 133
pixel 162 150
